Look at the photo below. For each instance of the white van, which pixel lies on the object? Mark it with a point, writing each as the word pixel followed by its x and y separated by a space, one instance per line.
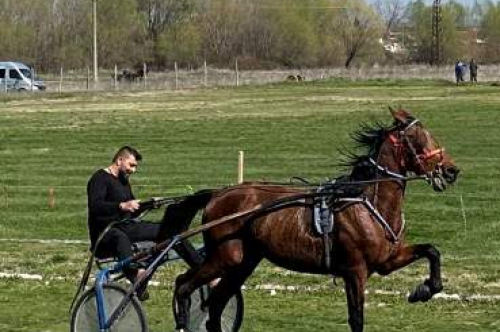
pixel 18 77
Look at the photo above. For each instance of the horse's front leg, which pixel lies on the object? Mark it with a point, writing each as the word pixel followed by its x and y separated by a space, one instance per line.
pixel 407 255
pixel 355 284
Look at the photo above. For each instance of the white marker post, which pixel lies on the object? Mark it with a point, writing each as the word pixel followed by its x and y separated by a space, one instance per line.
pixel 241 160
pixel 52 198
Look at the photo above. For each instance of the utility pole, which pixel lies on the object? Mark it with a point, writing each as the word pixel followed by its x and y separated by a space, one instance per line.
pixel 94 39
pixel 436 54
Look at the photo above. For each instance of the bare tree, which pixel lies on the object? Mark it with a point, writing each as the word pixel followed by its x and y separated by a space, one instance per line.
pixel 392 12
pixel 160 14
pixel 223 26
pixel 490 33
pixel 359 28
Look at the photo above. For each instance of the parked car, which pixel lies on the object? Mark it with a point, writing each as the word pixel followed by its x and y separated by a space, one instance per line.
pixel 17 76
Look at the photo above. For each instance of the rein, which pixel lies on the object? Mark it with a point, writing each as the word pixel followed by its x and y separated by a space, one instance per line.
pixel 328 190
pixel 392 177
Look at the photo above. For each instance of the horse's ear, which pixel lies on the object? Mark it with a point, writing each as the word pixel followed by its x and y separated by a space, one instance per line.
pixel 400 115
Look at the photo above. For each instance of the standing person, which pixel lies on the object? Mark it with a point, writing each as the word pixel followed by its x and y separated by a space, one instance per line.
pixel 473 70
pixel 459 71
pixel 110 199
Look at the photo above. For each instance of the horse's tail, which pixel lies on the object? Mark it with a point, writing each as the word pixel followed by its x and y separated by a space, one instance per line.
pixel 178 216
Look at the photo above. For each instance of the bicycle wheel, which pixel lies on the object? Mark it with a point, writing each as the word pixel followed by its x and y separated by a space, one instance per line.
pixel 231 318
pixel 85 317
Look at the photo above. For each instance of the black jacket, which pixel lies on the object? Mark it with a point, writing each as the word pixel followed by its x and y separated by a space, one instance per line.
pixel 105 192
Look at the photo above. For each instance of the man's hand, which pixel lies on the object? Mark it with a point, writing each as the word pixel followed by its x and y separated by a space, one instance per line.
pixel 130 206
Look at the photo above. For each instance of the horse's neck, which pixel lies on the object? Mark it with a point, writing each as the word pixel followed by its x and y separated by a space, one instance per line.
pixel 389 202
pixel 388 197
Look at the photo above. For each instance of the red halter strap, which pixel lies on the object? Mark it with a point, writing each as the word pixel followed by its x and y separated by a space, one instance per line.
pixel 429 154
pixel 395 141
pixel 398 145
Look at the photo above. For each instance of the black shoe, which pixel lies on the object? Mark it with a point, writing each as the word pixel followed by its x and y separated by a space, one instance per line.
pixel 142 294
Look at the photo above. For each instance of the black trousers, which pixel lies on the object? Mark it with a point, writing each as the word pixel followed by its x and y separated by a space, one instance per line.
pixel 118 240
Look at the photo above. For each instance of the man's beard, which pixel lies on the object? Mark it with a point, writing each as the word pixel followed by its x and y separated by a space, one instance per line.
pixel 123 177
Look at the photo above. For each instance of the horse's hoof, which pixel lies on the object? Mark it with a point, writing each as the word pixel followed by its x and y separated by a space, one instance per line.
pixel 212 327
pixel 422 293
pixel 435 287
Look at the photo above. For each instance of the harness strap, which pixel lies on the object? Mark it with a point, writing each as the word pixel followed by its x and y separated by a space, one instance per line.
pixel 328 247
pixel 394 238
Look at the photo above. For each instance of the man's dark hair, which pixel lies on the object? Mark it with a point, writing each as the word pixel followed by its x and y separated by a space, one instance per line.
pixel 127 151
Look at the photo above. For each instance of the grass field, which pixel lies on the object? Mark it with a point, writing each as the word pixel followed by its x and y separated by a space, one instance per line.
pixel 190 140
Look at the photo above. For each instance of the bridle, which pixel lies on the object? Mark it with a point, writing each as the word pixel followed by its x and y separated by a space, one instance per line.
pixel 402 140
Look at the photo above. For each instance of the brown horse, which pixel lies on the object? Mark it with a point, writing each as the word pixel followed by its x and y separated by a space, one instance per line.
pixel 365 240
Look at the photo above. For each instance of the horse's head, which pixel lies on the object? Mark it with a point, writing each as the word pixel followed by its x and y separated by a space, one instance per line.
pixel 419 152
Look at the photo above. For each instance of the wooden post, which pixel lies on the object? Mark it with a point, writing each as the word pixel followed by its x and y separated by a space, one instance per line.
pixel 176 76
pixel 205 74
pixel 94 42
pixel 144 74
pixel 116 77
pixel 52 198
pixel 60 80
pixel 241 161
pixel 88 78
pixel 237 73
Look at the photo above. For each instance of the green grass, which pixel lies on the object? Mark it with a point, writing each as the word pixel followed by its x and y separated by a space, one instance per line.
pixel 190 140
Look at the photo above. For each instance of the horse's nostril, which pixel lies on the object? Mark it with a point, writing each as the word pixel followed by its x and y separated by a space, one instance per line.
pixel 451 172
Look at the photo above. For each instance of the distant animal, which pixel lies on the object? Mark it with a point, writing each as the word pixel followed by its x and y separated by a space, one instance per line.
pixel 141 73
pixel 132 76
pixel 293 78
pixel 127 75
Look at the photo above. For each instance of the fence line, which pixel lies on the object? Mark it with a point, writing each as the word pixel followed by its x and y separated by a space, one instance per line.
pixel 207 76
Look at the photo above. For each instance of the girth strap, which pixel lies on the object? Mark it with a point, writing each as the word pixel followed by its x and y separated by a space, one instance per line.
pixel 323 219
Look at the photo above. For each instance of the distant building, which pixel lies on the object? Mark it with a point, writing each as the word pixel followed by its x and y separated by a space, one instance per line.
pixel 393 43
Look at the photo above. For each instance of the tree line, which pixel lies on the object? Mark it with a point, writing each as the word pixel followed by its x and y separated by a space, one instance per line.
pixel 259 33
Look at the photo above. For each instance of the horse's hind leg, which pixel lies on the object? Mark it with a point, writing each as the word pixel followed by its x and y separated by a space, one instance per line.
pixel 407 255
pixel 225 289
pixel 186 283
pixel 228 255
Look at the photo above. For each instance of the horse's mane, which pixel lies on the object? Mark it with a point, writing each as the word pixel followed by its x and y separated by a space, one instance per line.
pixel 368 137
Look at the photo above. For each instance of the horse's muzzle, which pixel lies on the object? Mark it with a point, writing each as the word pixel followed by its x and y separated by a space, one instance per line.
pixel 442 176
pixel 450 173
